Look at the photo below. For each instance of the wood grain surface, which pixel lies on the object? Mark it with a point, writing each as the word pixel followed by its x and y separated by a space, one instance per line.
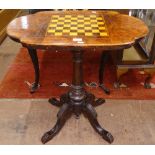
pixel 123 31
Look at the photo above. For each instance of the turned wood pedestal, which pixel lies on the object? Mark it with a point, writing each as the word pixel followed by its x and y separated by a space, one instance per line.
pixel 77 101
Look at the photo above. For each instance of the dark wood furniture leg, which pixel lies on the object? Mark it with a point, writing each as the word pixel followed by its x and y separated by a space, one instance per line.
pixel 77 101
pixel 34 58
pixel 104 58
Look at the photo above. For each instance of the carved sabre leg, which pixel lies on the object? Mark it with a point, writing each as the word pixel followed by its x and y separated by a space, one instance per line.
pixel 103 62
pixel 34 58
pixel 62 116
pixel 150 72
pixel 90 112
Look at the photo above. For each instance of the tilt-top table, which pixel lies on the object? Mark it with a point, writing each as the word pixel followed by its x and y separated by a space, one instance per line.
pixel 76 31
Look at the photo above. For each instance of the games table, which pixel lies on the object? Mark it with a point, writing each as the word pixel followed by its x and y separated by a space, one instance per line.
pixel 76 31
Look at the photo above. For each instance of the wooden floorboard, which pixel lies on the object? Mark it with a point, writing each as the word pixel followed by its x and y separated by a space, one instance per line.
pixel 24 122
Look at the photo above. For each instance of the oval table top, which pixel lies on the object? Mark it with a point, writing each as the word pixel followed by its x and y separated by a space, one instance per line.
pixel 106 29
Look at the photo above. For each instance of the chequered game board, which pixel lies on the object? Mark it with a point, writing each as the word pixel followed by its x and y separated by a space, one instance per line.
pixel 77 25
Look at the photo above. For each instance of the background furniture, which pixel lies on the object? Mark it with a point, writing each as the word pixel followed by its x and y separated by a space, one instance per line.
pixel 6 15
pixel 142 54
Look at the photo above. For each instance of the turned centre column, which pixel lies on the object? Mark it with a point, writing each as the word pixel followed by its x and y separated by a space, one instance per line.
pixel 77 92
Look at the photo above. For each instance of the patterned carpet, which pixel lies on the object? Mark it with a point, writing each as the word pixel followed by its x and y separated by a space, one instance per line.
pixel 56 67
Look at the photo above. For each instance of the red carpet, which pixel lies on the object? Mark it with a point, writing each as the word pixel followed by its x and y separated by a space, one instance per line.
pixel 57 67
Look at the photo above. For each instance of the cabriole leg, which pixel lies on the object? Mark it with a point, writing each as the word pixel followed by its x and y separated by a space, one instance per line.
pixel 61 119
pixel 104 58
pixel 91 114
pixel 34 58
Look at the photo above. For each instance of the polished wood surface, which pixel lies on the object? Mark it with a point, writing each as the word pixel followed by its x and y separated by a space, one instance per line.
pixel 31 30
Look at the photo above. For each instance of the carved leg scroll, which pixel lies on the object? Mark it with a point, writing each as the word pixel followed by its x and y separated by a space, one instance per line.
pixel 92 116
pixel 61 119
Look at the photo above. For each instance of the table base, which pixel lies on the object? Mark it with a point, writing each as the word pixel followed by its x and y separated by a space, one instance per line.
pixel 69 107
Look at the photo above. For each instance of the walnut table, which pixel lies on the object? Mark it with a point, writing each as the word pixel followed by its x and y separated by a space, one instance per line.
pixel 75 31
